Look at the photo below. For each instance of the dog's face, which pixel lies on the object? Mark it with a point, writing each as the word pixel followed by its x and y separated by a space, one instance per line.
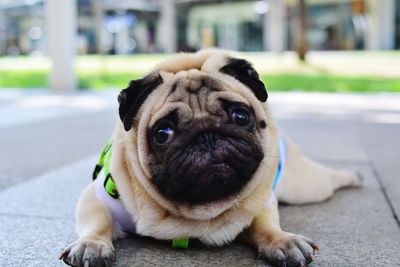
pixel 199 126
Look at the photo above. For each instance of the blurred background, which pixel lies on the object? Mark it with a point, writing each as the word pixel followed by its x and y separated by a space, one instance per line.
pixel 349 45
pixel 63 63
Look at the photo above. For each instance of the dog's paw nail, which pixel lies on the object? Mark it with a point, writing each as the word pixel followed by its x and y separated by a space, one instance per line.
pixel 73 260
pixel 292 250
pixel 62 255
pixel 88 252
pixel 315 247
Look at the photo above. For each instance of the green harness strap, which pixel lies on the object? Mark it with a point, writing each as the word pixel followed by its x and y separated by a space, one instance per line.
pixel 111 188
pixel 180 243
pixel 104 162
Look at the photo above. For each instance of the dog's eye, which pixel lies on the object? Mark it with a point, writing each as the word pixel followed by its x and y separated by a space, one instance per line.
pixel 164 134
pixel 241 117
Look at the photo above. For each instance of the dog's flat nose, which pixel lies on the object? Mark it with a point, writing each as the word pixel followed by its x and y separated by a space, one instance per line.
pixel 208 139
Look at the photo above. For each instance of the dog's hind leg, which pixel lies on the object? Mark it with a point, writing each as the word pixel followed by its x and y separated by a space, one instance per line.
pixel 94 227
pixel 306 181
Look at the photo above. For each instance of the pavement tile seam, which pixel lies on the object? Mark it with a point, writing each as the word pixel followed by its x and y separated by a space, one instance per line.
pixel 64 168
pixel 344 163
pixel 385 194
pixel 19 215
pixel 318 221
pixel 54 142
pixel 377 178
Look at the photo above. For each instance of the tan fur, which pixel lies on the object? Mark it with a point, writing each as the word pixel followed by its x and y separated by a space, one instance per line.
pixel 94 229
pixel 317 182
pixel 219 222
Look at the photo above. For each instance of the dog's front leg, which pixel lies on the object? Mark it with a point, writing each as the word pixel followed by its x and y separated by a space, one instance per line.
pixel 276 246
pixel 94 227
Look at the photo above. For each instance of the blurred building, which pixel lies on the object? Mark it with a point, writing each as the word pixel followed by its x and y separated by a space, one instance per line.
pixel 22 27
pixel 272 25
pixel 137 26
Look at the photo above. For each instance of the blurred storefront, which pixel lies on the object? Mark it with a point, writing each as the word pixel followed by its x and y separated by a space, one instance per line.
pixel 22 27
pixel 332 24
pixel 117 27
pixel 103 26
pixel 137 26
pixel 397 25
pixel 236 26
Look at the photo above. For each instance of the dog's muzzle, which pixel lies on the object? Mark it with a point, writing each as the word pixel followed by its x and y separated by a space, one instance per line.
pixel 212 166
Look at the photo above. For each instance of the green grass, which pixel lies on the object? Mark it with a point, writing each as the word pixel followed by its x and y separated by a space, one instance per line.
pixel 98 81
pixel 329 72
pixel 39 79
pixel 277 82
pixel 330 83
pixel 23 78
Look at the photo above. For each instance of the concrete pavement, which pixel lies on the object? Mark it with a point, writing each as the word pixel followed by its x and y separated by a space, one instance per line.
pixel 51 143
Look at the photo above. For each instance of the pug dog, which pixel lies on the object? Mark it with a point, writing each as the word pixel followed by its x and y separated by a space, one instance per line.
pixel 196 155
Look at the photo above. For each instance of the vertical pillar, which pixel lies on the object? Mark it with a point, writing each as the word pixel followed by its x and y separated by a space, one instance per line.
pixel 381 27
pixel 97 11
pixel 2 33
pixel 168 26
pixel 302 30
pixel 274 26
pixel 62 31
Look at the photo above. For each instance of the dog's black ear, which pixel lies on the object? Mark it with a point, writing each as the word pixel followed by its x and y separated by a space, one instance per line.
pixel 246 74
pixel 132 98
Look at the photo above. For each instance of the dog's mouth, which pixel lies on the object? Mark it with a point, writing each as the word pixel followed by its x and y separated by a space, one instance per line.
pixel 211 167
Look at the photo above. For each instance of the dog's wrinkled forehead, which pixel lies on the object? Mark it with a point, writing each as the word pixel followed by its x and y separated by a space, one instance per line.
pixel 194 79
pixel 194 95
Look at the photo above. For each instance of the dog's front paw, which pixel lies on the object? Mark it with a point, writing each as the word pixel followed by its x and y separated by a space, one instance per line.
pixel 89 252
pixel 291 250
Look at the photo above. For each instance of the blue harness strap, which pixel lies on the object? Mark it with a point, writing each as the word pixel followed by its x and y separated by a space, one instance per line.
pixel 282 159
pixel 279 170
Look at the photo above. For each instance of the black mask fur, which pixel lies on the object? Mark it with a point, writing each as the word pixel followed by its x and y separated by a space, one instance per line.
pixel 131 99
pixel 212 159
pixel 242 70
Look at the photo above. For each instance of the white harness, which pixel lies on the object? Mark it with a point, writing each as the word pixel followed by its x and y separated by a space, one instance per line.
pixel 120 215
